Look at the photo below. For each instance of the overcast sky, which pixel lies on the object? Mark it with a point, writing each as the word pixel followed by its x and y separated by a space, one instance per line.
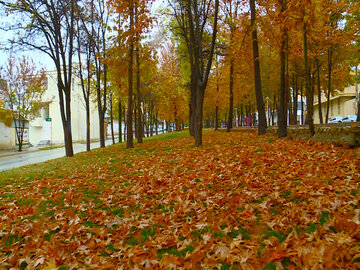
pixel 41 58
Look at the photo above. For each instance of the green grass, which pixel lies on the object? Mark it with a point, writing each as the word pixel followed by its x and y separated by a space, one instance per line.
pixel 50 147
pixel 63 166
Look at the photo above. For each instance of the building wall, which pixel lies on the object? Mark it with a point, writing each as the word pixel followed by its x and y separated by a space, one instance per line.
pixel 42 132
pixel 341 104
pixel 5 136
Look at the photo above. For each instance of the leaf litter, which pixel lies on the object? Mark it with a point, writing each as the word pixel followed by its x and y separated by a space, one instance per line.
pixel 165 204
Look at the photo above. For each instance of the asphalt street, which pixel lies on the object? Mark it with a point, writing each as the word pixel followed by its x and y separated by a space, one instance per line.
pixel 31 157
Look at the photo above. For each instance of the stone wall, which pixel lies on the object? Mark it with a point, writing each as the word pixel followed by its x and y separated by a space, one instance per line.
pixel 344 134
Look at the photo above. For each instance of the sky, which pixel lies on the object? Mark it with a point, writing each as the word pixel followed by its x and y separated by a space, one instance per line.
pixel 43 60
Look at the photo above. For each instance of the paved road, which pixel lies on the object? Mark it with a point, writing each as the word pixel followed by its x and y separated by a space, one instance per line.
pixel 31 157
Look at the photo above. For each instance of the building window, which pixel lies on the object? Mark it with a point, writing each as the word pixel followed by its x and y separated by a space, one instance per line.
pixel 339 106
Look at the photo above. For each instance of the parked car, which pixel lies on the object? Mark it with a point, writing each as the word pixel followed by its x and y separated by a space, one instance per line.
pixel 335 119
pixel 349 119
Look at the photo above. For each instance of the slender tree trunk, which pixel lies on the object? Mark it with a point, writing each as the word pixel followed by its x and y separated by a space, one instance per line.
pixel 295 100
pixel 216 117
pixel 152 119
pixel 120 123
pixel 357 96
pixel 282 121
pixel 282 131
pixel 241 115
pixel 125 124
pixel 273 111
pixel 143 128
pixel 129 141
pixel 192 105
pixel 138 109
pixel 258 91
pixel 329 84
pixel 156 125
pixel 199 116
pixel 87 126
pixel 135 116
pixel 308 88
pixel 19 130
pixel 231 101
pixel 319 90
pixel 302 103
pixel 112 118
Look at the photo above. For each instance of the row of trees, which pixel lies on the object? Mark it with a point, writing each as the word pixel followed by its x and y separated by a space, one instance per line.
pixel 298 46
pixel 306 48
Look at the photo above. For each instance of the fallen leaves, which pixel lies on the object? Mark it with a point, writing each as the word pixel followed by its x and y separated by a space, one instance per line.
pixel 239 201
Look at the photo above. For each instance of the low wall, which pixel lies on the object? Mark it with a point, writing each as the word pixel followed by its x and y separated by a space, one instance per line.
pixel 344 134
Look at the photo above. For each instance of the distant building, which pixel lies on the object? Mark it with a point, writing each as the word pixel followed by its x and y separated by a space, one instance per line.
pixel 341 104
pixel 48 128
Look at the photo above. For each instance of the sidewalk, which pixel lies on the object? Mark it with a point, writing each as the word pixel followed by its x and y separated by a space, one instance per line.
pixel 30 149
pixel 11 159
pixel 14 151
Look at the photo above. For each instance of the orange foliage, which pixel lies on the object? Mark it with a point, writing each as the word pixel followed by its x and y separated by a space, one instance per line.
pixel 239 200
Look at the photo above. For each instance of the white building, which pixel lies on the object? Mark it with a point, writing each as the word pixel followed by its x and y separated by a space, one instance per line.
pixel 341 104
pixel 47 128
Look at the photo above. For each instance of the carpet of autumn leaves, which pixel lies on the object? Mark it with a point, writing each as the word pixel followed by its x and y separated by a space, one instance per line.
pixel 240 201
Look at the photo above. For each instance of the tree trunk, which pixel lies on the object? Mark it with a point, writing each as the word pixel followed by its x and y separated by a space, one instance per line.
pixel 156 125
pixel 216 117
pixel 129 141
pixel 152 119
pixel 357 96
pixel 125 129
pixel 302 104
pixel 282 131
pixel 231 101
pixel 138 103
pixel 282 121
pixel 102 130
pixel 273 111
pixel 199 116
pixel 258 91
pixel 309 93
pixel 329 84
pixel 241 115
pixel 87 126
pixel 192 106
pixel 65 111
pixel 120 123
pixel 112 119
pixel 19 130
pixel 295 100
pixel 319 90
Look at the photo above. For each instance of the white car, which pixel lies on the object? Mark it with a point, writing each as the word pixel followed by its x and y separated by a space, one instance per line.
pixel 335 119
pixel 349 119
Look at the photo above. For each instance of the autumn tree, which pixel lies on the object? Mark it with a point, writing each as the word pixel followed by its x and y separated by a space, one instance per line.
pixel 21 91
pixel 258 91
pixel 85 67
pixel 133 19
pixel 230 10
pixel 49 27
pixel 95 23
pixel 197 23
pixel 171 94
